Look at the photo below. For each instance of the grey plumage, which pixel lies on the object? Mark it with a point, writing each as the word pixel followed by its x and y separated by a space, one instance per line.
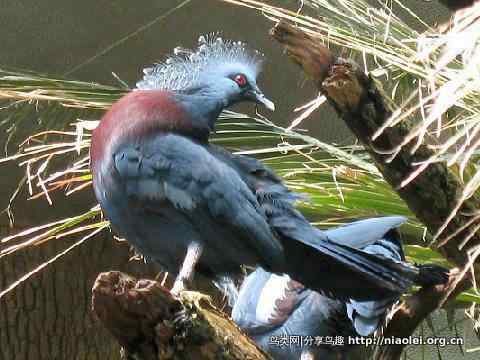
pixel 272 305
pixel 375 236
pixel 190 200
pixel 187 204
pixel 278 203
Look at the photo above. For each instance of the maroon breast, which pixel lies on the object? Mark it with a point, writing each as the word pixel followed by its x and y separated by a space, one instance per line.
pixel 137 114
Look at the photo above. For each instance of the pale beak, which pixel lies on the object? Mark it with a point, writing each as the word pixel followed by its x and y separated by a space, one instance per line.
pixel 257 96
pixel 266 102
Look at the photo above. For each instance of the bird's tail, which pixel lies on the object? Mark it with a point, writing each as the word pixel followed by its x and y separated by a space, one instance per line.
pixel 330 266
pixel 346 273
pixel 370 316
pixel 431 274
pixel 341 271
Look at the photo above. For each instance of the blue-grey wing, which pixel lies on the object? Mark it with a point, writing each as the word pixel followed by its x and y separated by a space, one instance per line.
pixel 350 262
pixel 360 234
pixel 173 169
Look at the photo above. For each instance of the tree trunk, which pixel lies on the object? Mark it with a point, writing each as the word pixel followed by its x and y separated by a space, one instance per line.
pixel 49 316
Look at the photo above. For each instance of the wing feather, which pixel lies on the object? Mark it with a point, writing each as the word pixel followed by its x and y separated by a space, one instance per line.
pixel 181 172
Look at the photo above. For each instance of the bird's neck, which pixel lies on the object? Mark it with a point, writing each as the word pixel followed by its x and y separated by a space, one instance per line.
pixel 143 113
pixel 204 104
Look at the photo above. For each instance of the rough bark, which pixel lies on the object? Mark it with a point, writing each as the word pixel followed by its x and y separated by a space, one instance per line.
pixel 150 324
pixel 431 196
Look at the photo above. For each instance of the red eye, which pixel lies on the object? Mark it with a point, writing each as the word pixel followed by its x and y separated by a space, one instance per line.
pixel 241 80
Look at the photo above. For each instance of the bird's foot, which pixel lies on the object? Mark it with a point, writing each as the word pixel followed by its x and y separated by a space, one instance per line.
pixel 190 301
pixel 188 297
pixel 194 297
pixel 180 317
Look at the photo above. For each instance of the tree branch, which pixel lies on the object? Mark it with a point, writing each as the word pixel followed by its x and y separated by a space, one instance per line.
pixel 432 196
pixel 150 324
pixel 415 308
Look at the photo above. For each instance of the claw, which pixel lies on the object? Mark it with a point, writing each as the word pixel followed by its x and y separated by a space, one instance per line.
pixel 194 297
pixel 188 298
pixel 180 317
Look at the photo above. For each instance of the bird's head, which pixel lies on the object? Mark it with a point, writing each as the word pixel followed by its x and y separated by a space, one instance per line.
pixel 224 68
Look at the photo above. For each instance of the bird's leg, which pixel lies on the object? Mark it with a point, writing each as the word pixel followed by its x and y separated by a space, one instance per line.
pixel 194 251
